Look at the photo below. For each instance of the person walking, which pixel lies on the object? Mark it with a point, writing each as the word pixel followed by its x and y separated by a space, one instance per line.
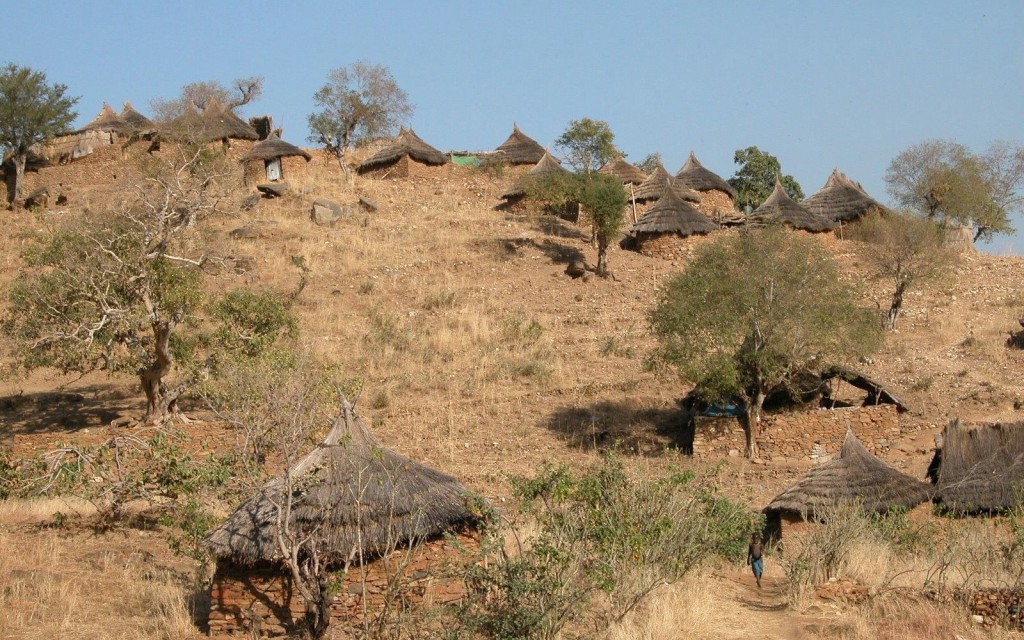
pixel 754 557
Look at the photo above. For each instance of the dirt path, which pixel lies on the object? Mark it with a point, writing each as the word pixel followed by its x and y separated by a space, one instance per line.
pixel 760 610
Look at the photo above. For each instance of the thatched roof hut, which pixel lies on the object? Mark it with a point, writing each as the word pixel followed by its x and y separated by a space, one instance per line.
pixel 349 493
pixel 672 215
pixel 274 147
pixel 407 145
pixel 520 148
pixel 854 475
pixel 780 208
pixel 548 164
pixel 139 123
pixel 656 184
pixel 108 122
pixel 841 199
pixel 213 123
pixel 624 171
pixel 695 176
pixel 979 470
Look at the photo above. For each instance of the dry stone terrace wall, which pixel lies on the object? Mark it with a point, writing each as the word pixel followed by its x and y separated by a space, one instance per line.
pixel 243 598
pixel 714 203
pixel 802 435
pixel 669 246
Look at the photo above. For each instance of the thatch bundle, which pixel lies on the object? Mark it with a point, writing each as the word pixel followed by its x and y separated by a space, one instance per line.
pixel 520 148
pixel 979 470
pixel 853 476
pixel 695 176
pixel 351 495
pixel 672 215
pixel 624 171
pixel 406 144
pixel 548 164
pixel 780 208
pixel 274 147
pixel 656 184
pixel 841 199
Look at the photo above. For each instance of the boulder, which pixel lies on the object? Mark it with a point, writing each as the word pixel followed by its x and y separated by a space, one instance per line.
pixel 274 189
pixel 367 204
pixel 576 269
pixel 327 212
pixel 248 232
pixel 38 198
pixel 250 202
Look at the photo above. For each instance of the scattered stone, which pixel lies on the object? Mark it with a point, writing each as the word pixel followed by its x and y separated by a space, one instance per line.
pixel 248 232
pixel 273 190
pixel 327 212
pixel 734 453
pixel 576 269
pixel 38 198
pixel 368 204
pixel 250 202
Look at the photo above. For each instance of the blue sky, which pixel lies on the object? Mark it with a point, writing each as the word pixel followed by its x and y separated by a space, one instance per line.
pixel 818 84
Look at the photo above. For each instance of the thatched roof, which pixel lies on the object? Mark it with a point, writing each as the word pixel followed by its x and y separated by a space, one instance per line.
pixel 520 148
pixel 854 475
pixel 623 171
pixel 657 182
pixel 108 121
pixel 547 164
pixel 274 147
pixel 347 492
pixel 406 144
pixel 213 123
pixel 779 207
pixel 981 469
pixel 672 214
pixel 841 199
pixel 695 176
pixel 138 122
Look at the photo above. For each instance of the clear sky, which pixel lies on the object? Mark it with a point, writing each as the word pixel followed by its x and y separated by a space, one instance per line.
pixel 818 84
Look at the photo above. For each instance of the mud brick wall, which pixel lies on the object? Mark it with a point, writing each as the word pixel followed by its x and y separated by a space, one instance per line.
pixel 669 246
pixel 406 167
pixel 246 597
pixel 801 435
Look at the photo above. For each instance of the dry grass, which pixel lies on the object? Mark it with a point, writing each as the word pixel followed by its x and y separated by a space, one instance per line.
pixel 687 605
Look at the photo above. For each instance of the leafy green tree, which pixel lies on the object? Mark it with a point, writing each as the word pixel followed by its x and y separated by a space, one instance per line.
pixel 31 112
pixel 755 178
pixel 587 144
pixel 946 181
pixel 650 162
pixel 122 291
pixel 360 102
pixel 905 249
pixel 754 310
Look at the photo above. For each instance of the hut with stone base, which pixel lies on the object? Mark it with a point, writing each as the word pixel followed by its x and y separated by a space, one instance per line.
pixel 107 129
pixel 854 476
pixel 779 208
pixel 645 195
pixel 717 196
pixel 624 171
pixel 215 123
pixel 514 199
pixel 384 526
pixel 841 200
pixel 979 470
pixel 408 156
pixel 519 149
pixel 664 229
pixel 272 159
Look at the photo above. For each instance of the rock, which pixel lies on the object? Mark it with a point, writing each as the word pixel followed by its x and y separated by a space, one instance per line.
pixel 327 212
pixel 734 453
pixel 248 232
pixel 976 619
pixel 367 204
pixel 250 202
pixel 576 269
pixel 273 190
pixel 38 198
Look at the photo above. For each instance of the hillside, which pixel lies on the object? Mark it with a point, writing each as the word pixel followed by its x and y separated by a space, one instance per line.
pixel 480 357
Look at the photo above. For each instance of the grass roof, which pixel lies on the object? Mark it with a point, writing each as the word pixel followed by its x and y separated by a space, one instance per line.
pixel 658 182
pixel 108 120
pixel 673 214
pixel 980 469
pixel 274 147
pixel 780 208
pixel 856 476
pixel 841 199
pixel 520 148
pixel 406 144
pixel 624 171
pixel 695 176
pixel 547 164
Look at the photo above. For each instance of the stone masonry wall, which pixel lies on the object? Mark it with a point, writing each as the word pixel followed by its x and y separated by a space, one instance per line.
pixel 246 597
pixel 801 435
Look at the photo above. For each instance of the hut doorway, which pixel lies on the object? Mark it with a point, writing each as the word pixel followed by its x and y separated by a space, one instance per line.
pixel 273 169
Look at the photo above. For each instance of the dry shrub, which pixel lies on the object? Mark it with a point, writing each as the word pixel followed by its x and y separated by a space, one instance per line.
pixel 679 610
pixel 898 617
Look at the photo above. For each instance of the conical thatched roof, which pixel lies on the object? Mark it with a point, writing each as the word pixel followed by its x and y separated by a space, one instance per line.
pixel 347 492
pixel 213 123
pixel 980 469
pixel 623 171
pixel 138 122
pixel 696 177
pixel 841 199
pixel 520 148
pixel 547 164
pixel 274 147
pixel 657 182
pixel 108 120
pixel 672 214
pixel 406 144
pixel 854 475
pixel 779 207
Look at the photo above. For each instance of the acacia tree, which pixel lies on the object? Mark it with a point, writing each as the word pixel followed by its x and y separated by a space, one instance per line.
pixel 360 102
pixel 587 144
pixel 31 112
pixel 114 291
pixel 754 310
pixel 946 181
pixel 199 95
pixel 604 199
pixel 905 249
pixel 754 180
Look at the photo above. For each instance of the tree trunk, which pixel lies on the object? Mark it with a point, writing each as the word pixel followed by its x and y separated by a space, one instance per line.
pixel 752 424
pixel 19 160
pixel 602 258
pixel 346 169
pixel 895 307
pixel 318 611
pixel 159 401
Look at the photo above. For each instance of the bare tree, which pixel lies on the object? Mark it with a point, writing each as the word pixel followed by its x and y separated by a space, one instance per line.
pixel 199 95
pixel 360 102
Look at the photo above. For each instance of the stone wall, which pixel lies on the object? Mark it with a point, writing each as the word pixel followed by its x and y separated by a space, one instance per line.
pixel 669 246
pixel 246 597
pixel 715 204
pixel 801 435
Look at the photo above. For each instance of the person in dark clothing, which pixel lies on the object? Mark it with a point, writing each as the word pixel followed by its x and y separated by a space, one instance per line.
pixel 754 557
